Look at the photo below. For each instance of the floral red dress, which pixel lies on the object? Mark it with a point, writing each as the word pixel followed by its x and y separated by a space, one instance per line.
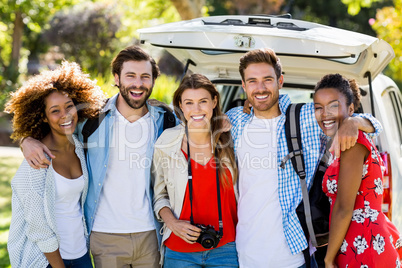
pixel 372 241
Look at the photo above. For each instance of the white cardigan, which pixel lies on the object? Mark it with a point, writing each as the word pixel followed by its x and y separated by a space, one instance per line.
pixel 169 176
pixel 33 224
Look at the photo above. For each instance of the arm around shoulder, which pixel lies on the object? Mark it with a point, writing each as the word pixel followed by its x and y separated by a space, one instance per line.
pixel 34 152
pixel 369 124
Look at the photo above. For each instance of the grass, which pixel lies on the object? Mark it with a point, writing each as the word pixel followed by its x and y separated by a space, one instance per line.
pixel 8 167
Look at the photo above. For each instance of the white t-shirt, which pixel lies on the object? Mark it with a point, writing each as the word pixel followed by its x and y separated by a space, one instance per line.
pixel 260 239
pixel 68 214
pixel 123 203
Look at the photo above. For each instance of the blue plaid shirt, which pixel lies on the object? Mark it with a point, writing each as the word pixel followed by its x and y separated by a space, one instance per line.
pixel 313 142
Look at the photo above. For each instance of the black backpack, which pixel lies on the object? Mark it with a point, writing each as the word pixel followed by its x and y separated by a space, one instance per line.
pixel 169 120
pixel 313 211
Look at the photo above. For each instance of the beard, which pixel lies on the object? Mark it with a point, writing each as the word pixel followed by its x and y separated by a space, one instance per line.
pixel 135 104
pixel 267 105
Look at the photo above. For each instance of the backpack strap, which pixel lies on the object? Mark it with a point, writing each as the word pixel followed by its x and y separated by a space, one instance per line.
pixel 293 139
pixel 169 120
pixel 90 126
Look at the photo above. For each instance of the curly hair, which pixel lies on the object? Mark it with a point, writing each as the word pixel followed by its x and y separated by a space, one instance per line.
pixel 27 104
pixel 349 88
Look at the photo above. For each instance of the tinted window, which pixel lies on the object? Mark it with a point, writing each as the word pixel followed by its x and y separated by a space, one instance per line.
pixel 392 104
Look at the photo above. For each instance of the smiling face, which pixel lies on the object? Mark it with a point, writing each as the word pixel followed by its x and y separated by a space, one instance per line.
pixel 197 106
pixel 135 82
pixel 262 88
pixel 331 109
pixel 60 113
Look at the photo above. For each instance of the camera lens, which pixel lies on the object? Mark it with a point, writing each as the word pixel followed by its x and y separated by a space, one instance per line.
pixel 207 242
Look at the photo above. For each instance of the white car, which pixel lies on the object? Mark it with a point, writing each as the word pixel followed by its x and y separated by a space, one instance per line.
pixel 308 51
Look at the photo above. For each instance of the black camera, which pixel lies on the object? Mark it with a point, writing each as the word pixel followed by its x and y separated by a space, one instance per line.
pixel 209 238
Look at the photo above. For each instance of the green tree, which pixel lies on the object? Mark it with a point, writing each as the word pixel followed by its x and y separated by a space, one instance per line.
pixel 388 25
pixel 15 16
pixel 21 22
pixel 241 7
pixel 354 6
pixel 86 34
pixel 137 14
pixel 317 11
pixel 189 9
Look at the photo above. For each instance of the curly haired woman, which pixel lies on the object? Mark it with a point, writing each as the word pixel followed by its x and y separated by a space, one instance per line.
pixel 47 227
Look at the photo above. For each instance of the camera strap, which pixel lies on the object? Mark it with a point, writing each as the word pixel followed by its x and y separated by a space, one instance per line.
pixel 190 186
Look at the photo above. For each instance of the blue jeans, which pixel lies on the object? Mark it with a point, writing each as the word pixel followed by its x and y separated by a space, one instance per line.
pixel 224 256
pixel 82 262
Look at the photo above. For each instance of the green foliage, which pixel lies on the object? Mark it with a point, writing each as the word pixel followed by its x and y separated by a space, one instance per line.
pixel 164 88
pixel 136 14
pixel 36 12
pixel 6 87
pixel 106 83
pixel 354 6
pixel 317 11
pixel 388 26
pixel 86 34
pixel 35 15
pixel 8 167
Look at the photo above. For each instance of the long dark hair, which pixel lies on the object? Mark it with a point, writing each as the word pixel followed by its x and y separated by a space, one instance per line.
pixel 222 141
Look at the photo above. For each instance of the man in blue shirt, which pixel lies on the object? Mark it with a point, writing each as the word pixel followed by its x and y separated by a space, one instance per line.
pixel 268 232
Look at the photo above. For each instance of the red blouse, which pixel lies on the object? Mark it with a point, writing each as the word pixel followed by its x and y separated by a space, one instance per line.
pixel 205 207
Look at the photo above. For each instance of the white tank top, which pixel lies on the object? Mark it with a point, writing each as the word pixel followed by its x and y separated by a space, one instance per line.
pixel 69 219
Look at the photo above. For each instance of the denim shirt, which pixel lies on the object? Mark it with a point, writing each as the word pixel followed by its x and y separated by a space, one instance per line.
pixel 98 157
pixel 289 189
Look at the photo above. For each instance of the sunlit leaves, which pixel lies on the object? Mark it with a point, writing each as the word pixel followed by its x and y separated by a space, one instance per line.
pixel 388 25
pixel 354 6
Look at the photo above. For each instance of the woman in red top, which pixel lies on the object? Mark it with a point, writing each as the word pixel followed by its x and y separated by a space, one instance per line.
pixel 360 234
pixel 195 197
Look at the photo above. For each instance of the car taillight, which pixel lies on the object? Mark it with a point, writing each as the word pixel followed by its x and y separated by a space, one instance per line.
pixel 387 185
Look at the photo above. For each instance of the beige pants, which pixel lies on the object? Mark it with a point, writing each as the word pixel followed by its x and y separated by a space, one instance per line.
pixel 125 250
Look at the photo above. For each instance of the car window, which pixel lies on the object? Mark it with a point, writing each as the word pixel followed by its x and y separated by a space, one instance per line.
pixel 392 103
pixel 297 95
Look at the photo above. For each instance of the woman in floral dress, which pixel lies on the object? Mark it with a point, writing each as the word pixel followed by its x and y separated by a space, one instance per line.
pixel 360 234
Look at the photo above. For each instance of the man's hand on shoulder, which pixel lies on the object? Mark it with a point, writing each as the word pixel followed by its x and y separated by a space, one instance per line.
pixel 34 152
pixel 247 107
pixel 348 133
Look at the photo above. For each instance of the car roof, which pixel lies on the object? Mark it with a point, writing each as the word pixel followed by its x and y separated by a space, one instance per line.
pixel 307 50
